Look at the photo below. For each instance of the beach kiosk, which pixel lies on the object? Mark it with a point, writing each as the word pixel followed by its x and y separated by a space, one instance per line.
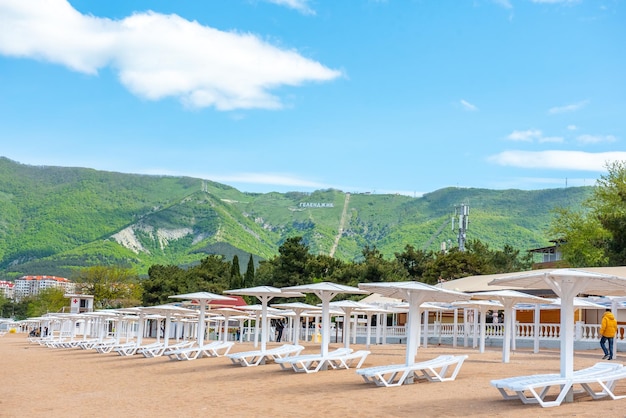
pixel 80 303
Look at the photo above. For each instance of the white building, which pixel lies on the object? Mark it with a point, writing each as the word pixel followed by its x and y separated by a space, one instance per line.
pixel 31 285
pixel 6 289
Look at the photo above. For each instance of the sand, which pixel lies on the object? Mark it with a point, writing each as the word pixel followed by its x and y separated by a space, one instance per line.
pixel 38 381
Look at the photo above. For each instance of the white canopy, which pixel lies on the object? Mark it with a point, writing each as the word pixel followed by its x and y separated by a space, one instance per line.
pixel 326 291
pixel 568 283
pixel 415 293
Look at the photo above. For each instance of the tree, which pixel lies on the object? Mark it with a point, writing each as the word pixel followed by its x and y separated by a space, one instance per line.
pixel 46 301
pixel 111 287
pixel 375 268
pixel 162 282
pixel 248 277
pixel 235 275
pixel 608 204
pixel 415 261
pixel 596 235
pixel 584 238
pixel 4 303
pixel 288 268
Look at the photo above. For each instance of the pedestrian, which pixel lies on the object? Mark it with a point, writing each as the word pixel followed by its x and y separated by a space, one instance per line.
pixel 279 330
pixel 608 329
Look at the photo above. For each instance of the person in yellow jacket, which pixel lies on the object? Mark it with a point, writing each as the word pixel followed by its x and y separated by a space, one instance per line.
pixel 608 329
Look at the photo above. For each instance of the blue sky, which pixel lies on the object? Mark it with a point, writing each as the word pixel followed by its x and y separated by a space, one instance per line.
pixel 391 96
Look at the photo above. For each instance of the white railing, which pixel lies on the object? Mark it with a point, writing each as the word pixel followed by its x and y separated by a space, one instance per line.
pixel 583 332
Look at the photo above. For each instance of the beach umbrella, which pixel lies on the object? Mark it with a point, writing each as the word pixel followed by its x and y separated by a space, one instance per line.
pixel 257 310
pixel 415 293
pixel 508 299
pixel 264 294
pixel 567 284
pixel 326 291
pixel 226 313
pixel 370 310
pixel 348 306
pixel 483 306
pixel 202 298
pixel 169 312
pixel 298 308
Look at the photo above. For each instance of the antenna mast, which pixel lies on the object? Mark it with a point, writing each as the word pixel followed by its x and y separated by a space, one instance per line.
pixel 463 213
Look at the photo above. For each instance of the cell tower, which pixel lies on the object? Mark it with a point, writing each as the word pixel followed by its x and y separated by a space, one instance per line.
pixel 462 212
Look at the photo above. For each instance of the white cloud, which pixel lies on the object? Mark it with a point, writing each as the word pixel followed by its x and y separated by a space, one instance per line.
pixel 557 160
pixel 568 108
pixel 525 136
pixel 468 106
pixel 555 1
pixel 572 127
pixel 274 179
pixel 300 5
pixel 552 139
pixel 504 3
pixel 158 56
pixel 595 139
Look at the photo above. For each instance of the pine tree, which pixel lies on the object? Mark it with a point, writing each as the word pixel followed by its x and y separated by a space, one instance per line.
pixel 248 278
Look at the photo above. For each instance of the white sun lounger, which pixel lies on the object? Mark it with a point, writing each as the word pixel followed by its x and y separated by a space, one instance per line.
pixel 129 350
pixel 534 389
pixel 159 350
pixel 213 349
pixel 109 347
pixel 348 360
pixel 257 357
pixel 440 369
pixel 312 363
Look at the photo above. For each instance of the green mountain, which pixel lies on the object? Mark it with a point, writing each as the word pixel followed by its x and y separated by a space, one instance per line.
pixel 55 220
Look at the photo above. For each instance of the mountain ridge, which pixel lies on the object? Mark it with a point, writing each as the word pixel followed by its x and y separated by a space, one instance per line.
pixel 57 220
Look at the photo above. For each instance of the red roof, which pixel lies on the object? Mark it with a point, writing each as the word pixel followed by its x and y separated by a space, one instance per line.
pixel 238 301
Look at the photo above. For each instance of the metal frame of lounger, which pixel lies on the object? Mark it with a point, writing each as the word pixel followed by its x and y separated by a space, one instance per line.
pixel 213 349
pixel 312 363
pixel 258 357
pixel 533 389
pixel 434 370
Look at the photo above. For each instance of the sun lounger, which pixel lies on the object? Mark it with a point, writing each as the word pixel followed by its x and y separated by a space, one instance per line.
pixel 130 350
pixel 312 363
pixel 157 351
pixel 213 349
pixel 107 348
pixel 348 360
pixel 438 369
pixel 534 389
pixel 89 344
pixel 257 357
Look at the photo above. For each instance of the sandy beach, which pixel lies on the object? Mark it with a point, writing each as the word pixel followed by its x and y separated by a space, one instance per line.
pixel 38 381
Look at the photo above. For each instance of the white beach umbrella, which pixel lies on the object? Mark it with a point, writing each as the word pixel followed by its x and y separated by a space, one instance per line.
pixel 169 311
pixel 348 306
pixel 264 294
pixel 415 293
pixel 567 284
pixel 298 308
pixel 202 298
pixel 326 291
pixel 483 306
pixel 226 314
pixel 508 299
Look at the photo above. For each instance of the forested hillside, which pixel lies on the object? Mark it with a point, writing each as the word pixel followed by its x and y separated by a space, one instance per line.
pixel 55 220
